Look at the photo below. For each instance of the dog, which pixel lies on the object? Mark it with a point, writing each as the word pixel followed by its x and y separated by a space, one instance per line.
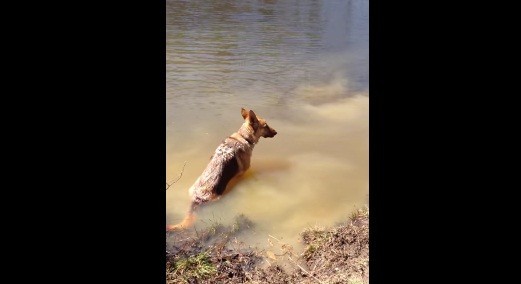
pixel 230 160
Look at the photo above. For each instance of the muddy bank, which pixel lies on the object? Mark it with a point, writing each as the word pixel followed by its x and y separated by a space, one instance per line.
pixel 215 254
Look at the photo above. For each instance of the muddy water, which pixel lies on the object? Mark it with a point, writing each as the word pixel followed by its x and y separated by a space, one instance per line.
pixel 303 66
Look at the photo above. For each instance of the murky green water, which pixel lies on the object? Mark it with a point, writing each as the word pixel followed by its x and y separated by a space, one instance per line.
pixel 302 65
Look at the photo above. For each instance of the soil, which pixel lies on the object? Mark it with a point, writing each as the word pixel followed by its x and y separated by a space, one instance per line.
pixel 213 255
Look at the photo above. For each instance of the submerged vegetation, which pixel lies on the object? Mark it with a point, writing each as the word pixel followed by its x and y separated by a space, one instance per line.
pixel 214 255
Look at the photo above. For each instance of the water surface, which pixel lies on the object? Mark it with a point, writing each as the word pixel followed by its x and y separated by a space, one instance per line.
pixel 303 66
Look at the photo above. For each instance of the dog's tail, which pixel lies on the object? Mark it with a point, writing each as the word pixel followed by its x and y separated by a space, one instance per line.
pixel 187 221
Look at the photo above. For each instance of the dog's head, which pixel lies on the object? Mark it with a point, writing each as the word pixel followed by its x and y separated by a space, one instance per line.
pixel 258 124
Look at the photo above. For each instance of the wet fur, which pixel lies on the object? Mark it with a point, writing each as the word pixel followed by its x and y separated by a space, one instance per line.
pixel 231 159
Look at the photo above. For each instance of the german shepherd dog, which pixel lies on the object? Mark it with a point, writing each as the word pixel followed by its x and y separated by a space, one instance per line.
pixel 231 159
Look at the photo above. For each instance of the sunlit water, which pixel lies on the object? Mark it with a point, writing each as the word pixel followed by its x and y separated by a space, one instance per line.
pixel 301 65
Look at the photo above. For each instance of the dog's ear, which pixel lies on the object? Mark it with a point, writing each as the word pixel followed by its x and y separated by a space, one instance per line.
pixel 252 117
pixel 249 115
pixel 244 113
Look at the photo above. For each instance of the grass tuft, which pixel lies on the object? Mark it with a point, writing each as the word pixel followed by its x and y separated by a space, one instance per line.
pixel 198 266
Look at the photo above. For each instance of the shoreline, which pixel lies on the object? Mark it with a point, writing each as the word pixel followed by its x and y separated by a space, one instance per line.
pixel 338 254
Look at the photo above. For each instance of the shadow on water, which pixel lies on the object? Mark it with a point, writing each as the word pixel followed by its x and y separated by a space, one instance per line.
pixel 262 167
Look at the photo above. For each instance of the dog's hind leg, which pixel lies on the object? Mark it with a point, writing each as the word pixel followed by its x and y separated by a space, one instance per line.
pixel 187 221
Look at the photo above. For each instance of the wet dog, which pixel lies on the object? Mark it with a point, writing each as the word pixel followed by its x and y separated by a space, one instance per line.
pixel 231 159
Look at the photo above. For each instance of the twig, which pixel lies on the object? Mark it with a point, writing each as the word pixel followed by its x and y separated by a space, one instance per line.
pixel 316 263
pixel 267 261
pixel 168 185
pixel 274 238
pixel 289 254
pixel 305 271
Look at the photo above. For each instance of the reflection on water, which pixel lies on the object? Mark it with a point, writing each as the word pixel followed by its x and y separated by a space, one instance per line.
pixel 302 65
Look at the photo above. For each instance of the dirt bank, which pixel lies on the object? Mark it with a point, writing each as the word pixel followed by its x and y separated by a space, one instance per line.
pixel 215 255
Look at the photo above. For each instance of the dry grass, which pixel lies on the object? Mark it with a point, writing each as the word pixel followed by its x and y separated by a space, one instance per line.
pixel 214 255
pixel 341 254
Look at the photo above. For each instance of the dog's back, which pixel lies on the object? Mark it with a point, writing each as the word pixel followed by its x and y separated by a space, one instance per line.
pixel 223 166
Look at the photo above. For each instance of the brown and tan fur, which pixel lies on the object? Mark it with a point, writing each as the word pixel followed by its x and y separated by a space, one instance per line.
pixel 230 160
